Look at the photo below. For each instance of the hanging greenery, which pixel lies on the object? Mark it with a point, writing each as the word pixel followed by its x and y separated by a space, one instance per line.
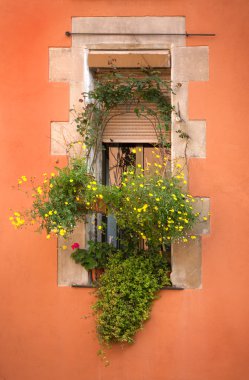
pixel 147 96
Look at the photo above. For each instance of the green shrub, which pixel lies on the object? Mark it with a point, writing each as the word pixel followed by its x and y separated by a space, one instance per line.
pixel 125 294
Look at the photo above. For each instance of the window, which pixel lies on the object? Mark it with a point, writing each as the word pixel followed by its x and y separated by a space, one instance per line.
pixel 187 64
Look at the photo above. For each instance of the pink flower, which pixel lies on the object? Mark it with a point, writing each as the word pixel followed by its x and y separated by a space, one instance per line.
pixel 75 246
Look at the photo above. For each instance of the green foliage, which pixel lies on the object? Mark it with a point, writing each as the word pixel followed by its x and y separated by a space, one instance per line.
pixel 150 207
pixel 61 200
pixel 96 256
pixel 125 294
pixel 140 95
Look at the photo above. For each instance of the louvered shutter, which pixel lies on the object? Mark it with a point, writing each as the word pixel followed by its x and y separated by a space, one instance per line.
pixel 124 126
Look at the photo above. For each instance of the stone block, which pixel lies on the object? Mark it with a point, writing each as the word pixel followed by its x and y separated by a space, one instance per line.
pixel 195 146
pixel 68 271
pixel 65 139
pixel 60 67
pixel 186 264
pixel 202 205
pixel 190 63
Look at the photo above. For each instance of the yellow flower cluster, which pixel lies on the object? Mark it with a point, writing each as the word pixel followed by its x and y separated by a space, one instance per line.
pixel 17 221
pixel 22 179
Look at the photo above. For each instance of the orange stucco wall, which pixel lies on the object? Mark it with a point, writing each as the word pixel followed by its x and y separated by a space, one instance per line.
pixel 193 334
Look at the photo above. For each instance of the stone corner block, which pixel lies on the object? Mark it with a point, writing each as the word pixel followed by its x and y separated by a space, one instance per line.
pixel 202 205
pixel 190 63
pixel 68 271
pixel 65 140
pixel 196 144
pixel 186 264
pixel 60 64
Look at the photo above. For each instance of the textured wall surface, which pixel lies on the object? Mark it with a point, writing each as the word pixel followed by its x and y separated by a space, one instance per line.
pixel 198 334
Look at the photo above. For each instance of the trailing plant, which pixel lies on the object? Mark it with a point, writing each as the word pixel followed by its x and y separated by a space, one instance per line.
pixel 150 207
pixel 139 95
pixel 60 201
pixel 125 294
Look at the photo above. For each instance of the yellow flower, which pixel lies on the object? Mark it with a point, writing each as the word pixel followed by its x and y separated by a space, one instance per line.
pixel 55 212
pixel 52 174
pixel 50 212
pixel 205 218
pixel 19 182
pixel 89 187
pixel 51 185
pixel 17 214
pixel 48 237
pixel 39 190
pixel 62 232
pixel 185 240
pixel 128 199
pixel 66 203
pixel 141 185
pixel 139 149
pixel 24 178
pixel 99 227
pixel 184 182
pixel 150 194
pixel 134 150
pixel 64 247
pixel 11 218
pixel 71 180
pixel 100 196
pixel 178 166
pixel 193 237
pixel 139 165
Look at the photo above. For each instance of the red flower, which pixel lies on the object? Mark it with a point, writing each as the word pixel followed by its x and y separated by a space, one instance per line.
pixel 75 246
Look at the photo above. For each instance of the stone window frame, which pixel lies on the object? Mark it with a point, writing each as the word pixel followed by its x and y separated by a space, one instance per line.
pixel 187 64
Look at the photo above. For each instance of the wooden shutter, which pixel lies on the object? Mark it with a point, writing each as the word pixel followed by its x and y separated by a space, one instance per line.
pixel 124 126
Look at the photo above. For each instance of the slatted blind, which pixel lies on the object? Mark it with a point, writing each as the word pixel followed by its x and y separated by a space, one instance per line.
pixel 123 125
